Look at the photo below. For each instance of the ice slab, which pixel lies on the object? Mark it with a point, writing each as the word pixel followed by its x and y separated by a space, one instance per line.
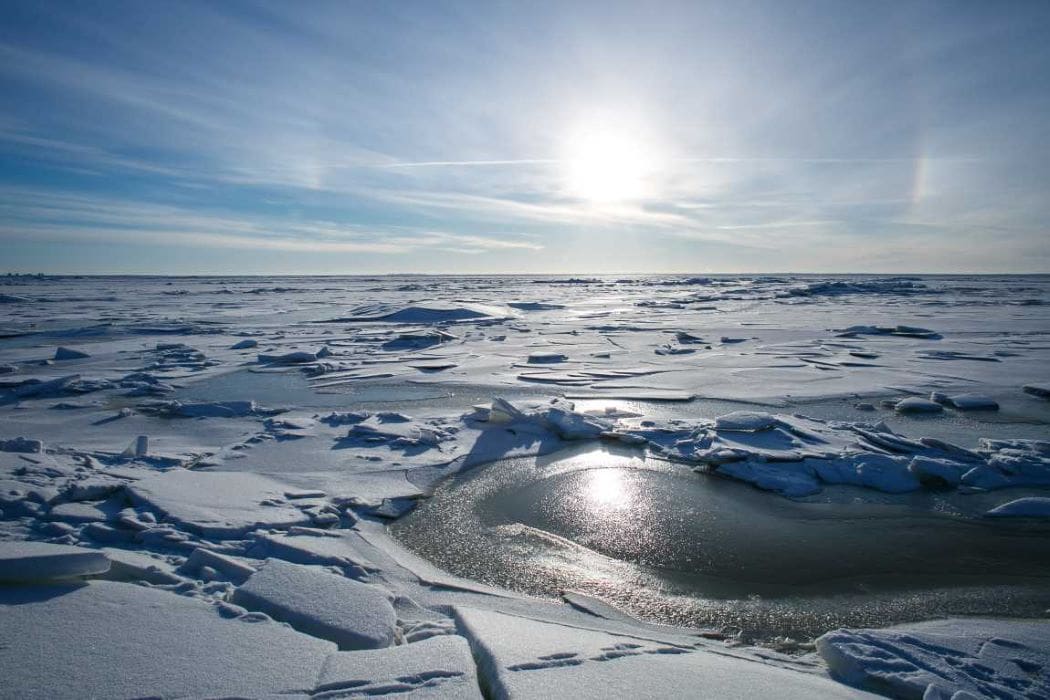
pixel 331 548
pixel 117 640
pixel 218 504
pixel 945 659
pixel 354 615
pixel 438 667
pixel 523 658
pixel 973 402
pixel 914 404
pixel 1030 507
pixel 43 561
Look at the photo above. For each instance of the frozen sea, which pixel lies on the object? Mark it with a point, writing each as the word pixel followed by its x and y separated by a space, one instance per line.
pixel 789 485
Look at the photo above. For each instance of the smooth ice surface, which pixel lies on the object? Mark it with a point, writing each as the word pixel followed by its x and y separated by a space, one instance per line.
pixel 522 658
pixel 118 640
pixel 41 561
pixel 944 659
pixel 218 504
pixel 353 615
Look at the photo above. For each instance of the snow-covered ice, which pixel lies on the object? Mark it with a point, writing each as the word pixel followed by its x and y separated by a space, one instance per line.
pixel 205 485
pixel 354 615
pixel 217 504
pixel 27 562
pixel 945 659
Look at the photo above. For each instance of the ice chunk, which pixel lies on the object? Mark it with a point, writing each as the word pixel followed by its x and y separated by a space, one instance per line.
pixel 941 472
pixel 217 504
pixel 70 354
pixel 944 659
pixel 430 312
pixel 48 388
pixel 418 339
pixel 289 358
pixel 1040 390
pixel 745 421
pixel 42 561
pixel 127 565
pixel 354 615
pixel 245 344
pixel 1030 507
pixel 315 547
pixel 786 479
pixel 438 667
pixel 231 568
pixel 546 357
pixel 973 402
pixel 571 425
pixel 21 444
pixel 914 404
pixel 120 640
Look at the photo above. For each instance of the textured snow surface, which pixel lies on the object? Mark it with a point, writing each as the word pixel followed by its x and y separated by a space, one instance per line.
pixel 217 504
pixel 523 658
pixel 945 659
pixel 41 561
pixel 117 640
pixel 353 615
pixel 438 667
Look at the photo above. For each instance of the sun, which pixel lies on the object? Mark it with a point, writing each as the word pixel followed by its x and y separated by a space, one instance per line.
pixel 605 165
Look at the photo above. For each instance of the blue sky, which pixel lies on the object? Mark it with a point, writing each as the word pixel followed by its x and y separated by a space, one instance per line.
pixel 359 137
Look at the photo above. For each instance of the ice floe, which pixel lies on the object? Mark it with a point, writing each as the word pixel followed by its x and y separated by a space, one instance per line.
pixel 353 615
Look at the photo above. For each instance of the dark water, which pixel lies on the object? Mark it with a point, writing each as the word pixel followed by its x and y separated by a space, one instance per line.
pixel 671 545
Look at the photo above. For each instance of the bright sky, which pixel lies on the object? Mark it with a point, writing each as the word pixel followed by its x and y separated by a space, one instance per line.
pixel 368 137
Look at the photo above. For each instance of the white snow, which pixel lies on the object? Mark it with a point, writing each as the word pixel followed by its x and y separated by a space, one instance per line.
pixel 438 667
pixel 42 561
pixel 118 640
pixel 217 504
pixel 353 615
pixel 944 660
pixel 523 658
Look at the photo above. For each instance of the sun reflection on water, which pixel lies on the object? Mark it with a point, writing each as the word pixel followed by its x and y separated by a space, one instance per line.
pixel 607 489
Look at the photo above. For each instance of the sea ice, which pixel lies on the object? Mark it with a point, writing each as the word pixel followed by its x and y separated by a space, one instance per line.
pixel 42 561
pixel 1040 390
pixel 63 353
pixel 973 402
pixel 746 421
pixel 520 657
pixel 354 615
pixel 438 667
pixel 1029 507
pixel 942 660
pixel 117 640
pixel 914 404
pixel 217 504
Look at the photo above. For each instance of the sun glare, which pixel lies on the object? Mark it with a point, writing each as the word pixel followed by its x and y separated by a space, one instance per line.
pixel 608 166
